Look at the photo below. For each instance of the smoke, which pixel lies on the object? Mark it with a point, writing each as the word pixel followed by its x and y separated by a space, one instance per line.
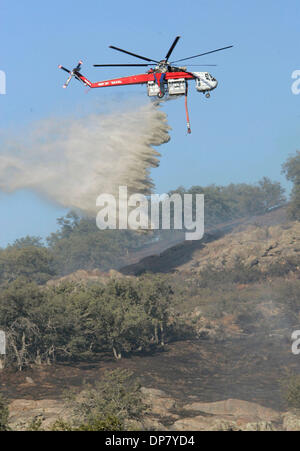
pixel 73 161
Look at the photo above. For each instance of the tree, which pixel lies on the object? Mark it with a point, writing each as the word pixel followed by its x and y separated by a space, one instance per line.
pixel 79 244
pixel 291 169
pixel 290 387
pixel 120 319
pixel 273 193
pixel 72 321
pixel 224 203
pixel 26 241
pixel 68 332
pixel 35 263
pixel 156 296
pixel 20 318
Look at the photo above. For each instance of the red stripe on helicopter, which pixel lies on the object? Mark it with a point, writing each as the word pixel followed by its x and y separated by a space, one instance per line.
pixel 135 79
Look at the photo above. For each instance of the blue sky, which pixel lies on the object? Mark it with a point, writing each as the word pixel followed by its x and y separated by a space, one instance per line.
pixel 244 132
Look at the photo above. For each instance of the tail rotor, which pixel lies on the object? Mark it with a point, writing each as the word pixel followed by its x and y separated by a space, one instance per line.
pixel 72 73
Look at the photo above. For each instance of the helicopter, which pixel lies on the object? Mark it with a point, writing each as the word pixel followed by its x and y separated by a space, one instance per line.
pixel 162 79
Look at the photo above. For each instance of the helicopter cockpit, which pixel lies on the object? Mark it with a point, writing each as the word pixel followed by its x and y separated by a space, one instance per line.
pixel 205 81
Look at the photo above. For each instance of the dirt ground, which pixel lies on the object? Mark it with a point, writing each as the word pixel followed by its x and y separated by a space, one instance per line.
pixel 247 368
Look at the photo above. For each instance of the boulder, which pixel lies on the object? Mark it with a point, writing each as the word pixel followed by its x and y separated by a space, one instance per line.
pixel 236 409
pixel 23 412
pixel 291 421
pixel 202 423
pixel 159 402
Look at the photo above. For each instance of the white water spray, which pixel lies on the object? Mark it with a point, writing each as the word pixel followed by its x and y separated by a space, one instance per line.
pixel 73 161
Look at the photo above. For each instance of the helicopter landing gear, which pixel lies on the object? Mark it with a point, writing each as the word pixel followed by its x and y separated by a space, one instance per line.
pixel 207 95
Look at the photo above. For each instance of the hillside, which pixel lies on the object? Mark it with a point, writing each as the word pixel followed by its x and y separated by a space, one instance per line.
pixel 246 239
pixel 224 347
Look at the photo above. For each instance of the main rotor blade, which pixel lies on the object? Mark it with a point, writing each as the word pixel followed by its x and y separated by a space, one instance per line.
pixel 132 54
pixel 121 65
pixel 200 65
pixel 63 68
pixel 172 48
pixel 67 82
pixel 78 65
pixel 202 54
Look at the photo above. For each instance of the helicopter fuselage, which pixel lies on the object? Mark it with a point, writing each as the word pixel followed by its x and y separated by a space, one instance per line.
pixel 160 81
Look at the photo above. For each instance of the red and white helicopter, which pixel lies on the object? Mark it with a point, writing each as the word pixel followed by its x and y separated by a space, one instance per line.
pixel 163 78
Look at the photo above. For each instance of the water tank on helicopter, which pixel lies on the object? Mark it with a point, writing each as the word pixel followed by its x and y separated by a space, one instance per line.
pixel 176 86
pixel 153 89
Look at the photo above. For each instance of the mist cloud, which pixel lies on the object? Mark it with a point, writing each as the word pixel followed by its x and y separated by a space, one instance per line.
pixel 73 161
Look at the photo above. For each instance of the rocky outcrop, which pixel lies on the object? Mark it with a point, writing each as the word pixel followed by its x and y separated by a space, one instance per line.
pixel 47 411
pixel 228 415
pixel 291 421
pixel 165 414
pixel 160 404
pixel 201 423
pixel 259 246
pixel 83 276
pixel 237 409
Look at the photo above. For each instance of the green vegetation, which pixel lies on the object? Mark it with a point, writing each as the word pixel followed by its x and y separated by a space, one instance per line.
pixel 84 321
pixel 291 168
pixel 4 414
pixel 111 404
pixel 77 322
pixel 79 244
pixel 33 262
pixel 291 390
pixel 211 277
pixel 225 203
pixel 114 403
pixel 116 399
pixel 288 297
pixel 94 425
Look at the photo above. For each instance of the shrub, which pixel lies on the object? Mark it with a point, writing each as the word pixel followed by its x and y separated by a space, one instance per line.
pixel 291 390
pixel 4 414
pixel 109 423
pixel 113 401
